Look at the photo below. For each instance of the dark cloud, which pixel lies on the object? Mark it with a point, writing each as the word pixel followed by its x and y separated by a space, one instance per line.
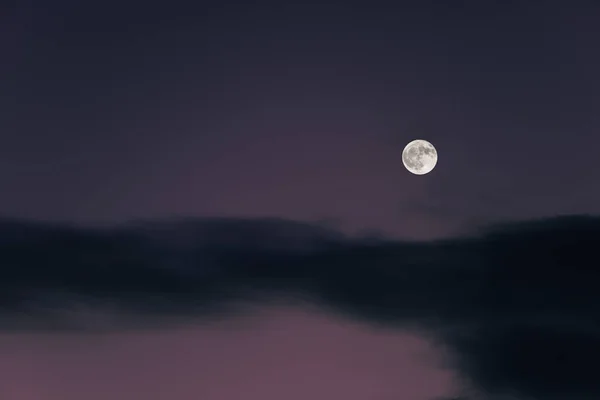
pixel 515 306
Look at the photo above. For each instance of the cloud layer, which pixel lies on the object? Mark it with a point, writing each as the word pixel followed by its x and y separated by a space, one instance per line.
pixel 515 306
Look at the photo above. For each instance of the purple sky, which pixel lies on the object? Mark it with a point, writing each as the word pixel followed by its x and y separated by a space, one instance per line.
pixel 116 110
pixel 283 353
pixel 110 112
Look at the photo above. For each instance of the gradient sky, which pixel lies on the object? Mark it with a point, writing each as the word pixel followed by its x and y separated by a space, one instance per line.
pixel 118 110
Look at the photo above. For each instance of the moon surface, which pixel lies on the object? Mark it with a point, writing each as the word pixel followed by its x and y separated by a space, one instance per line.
pixel 419 157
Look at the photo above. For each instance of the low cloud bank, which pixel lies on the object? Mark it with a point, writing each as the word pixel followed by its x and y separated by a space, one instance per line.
pixel 516 306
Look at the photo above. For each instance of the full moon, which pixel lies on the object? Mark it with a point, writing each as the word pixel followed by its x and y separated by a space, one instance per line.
pixel 419 157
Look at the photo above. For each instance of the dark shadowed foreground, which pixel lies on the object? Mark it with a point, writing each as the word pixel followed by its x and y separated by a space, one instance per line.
pixel 516 306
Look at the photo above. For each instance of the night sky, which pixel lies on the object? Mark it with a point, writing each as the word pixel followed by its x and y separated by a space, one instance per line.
pixel 186 124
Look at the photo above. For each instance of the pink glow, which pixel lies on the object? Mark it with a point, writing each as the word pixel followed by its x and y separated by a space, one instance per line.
pixel 282 354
